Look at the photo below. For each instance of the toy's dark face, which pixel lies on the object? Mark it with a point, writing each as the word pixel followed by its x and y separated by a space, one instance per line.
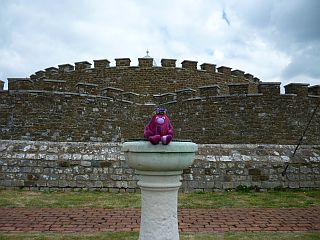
pixel 160 119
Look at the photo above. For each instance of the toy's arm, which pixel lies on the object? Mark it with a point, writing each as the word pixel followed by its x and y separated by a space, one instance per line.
pixel 170 131
pixel 147 132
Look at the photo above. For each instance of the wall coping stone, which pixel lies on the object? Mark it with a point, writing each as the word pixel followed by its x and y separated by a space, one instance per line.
pixel 54 81
pixel 20 79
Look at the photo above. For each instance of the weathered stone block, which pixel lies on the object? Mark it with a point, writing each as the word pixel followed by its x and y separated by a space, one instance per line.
pixel 106 163
pixel 255 172
pixel 191 65
pixel 168 63
pixel 301 89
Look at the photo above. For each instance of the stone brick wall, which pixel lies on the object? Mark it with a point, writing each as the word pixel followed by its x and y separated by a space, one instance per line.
pixel 144 79
pixel 40 165
pixel 110 104
pixel 267 117
pixel 224 166
pixel 62 127
pixel 44 165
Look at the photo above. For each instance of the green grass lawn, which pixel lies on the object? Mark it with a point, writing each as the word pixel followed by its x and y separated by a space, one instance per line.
pixel 134 236
pixel 273 199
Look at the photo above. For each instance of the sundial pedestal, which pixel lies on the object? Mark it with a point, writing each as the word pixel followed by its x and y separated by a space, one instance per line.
pixel 159 168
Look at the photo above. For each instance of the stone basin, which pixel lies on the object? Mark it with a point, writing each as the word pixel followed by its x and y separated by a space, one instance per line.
pixel 143 156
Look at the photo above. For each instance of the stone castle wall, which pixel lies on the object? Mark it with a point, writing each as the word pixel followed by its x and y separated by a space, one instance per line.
pixel 122 80
pixel 62 127
pixel 39 165
pixel 265 117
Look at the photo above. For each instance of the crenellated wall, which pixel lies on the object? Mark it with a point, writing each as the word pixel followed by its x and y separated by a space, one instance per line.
pixel 264 117
pixel 144 79
pixel 110 104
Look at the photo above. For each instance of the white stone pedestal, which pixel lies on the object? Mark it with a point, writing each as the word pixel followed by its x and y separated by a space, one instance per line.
pixel 159 168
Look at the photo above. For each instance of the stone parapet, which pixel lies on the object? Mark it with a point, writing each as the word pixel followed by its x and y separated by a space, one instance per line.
pixel 145 62
pixel 168 62
pixel 123 62
pixel 208 67
pixel 314 90
pixel 190 65
pixel 238 89
pixel 100 64
pixel 66 67
pixel 1 85
pixel 82 65
pixel 269 88
pixel 209 91
pixel 103 113
pixel 301 89
pixel 168 77
pixel 224 70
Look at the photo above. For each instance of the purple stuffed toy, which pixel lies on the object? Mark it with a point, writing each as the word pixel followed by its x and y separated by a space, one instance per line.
pixel 159 128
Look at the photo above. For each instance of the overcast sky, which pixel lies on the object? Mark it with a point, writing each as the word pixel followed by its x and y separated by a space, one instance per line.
pixel 275 40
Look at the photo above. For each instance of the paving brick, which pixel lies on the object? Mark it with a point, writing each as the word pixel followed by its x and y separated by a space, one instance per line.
pixel 190 220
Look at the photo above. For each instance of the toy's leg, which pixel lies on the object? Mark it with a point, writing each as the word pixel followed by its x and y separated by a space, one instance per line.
pixel 166 139
pixel 155 139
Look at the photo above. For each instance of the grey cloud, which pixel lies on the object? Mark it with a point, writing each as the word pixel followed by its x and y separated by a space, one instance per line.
pixel 254 13
pixel 305 62
pixel 297 20
pixel 291 27
pixel 298 34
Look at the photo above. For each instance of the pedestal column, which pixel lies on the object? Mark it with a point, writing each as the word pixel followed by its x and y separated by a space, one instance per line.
pixel 159 198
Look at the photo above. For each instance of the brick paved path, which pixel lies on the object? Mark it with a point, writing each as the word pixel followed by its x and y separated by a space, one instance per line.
pixel 190 220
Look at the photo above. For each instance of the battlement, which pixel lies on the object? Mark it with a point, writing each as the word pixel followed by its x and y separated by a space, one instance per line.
pixel 208 67
pixel 1 85
pixel 82 65
pixel 100 64
pixel 238 88
pixel 153 80
pixel 123 62
pixel 266 89
pixel 224 70
pixel 300 89
pixel 209 91
pixel 81 102
pixel 269 88
pixel 314 90
pixel 168 63
pixel 66 67
pixel 51 70
pixel 198 113
pixel 143 62
pixel 191 65
pixel 19 83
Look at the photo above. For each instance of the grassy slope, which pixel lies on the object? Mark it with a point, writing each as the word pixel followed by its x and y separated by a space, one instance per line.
pixel 276 199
